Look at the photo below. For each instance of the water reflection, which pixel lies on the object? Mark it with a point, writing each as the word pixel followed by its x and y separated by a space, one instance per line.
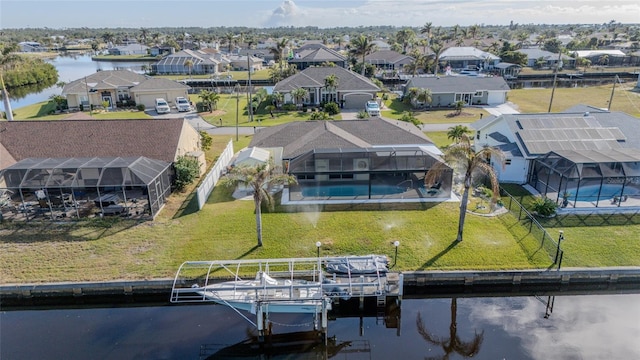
pixel 580 327
pixel 452 344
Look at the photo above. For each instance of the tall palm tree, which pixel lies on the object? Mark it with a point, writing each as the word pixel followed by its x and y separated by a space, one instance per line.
pixel 455 133
pixel 474 30
pixel 144 33
pixel 426 29
pixel 278 50
pixel 261 179
pixel 464 159
pixel 405 37
pixel 362 46
pixel 189 64
pixel 437 47
pixel 453 344
pixel 229 37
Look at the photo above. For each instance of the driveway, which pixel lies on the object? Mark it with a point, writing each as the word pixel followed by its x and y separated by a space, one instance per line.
pixel 497 110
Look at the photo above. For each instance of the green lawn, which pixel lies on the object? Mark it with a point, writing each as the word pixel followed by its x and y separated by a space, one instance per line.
pixel 537 100
pixel 40 110
pixel 394 109
pixel 235 75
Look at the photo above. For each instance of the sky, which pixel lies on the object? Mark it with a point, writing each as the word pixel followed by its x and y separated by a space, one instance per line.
pixel 59 14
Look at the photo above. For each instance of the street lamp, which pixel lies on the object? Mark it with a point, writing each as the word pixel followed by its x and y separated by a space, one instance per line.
pixel 396 244
pixel 318 244
pixel 560 238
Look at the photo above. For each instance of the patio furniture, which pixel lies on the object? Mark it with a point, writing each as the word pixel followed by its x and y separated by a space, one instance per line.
pixel 107 200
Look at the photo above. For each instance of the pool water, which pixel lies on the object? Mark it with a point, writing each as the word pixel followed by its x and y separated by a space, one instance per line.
pixel 350 190
pixel 590 192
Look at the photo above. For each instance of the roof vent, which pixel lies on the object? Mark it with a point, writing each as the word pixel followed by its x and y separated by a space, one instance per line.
pixel 586 113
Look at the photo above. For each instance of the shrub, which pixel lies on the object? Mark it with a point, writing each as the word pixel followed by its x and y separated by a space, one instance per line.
pixel 205 140
pixel 331 108
pixel 187 170
pixel 362 114
pixel 319 115
pixel 289 107
pixel 544 206
pixel 140 107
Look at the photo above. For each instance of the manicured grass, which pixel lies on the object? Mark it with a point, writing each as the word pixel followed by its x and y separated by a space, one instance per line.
pixel 537 100
pixel 439 138
pixel 235 75
pixel 394 109
pixel 37 112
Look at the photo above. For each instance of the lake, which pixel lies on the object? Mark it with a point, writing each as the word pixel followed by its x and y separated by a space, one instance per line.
pixel 73 67
pixel 580 327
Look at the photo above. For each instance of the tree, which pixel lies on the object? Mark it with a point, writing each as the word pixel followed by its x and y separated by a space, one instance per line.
pixel 437 49
pixel 553 45
pixel 456 133
pixel 205 140
pixel 278 50
pixel 426 29
pixel 189 64
pixel 362 46
pixel 209 99
pixel 453 344
pixel 462 158
pixel 405 37
pixel 261 179
pixel 144 33
pixel 299 94
pixel 458 106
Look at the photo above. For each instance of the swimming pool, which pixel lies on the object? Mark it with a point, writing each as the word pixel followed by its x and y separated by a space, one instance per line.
pixel 350 190
pixel 590 192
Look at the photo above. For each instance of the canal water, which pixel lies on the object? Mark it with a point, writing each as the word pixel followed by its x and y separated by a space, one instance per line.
pixel 72 67
pixel 525 327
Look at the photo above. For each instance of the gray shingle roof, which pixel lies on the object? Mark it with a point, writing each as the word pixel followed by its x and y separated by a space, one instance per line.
pixel 387 57
pixel 313 77
pixel 107 79
pixel 92 138
pixel 297 138
pixel 452 84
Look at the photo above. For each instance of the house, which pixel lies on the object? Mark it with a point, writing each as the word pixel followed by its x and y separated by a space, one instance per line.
pixel 464 57
pixel 556 153
pixel 381 45
pixel 88 159
pixel 31 46
pixel 549 59
pixel 354 158
pixel 161 50
pixel 120 88
pixel 352 92
pixel 315 54
pixel 243 62
pixel 447 90
pixel 603 57
pixel 130 49
pixel 192 62
pixel 389 60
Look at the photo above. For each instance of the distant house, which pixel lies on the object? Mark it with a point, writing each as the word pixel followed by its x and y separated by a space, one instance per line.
pixel 315 54
pixel 202 62
pixel 352 92
pixel 549 59
pixel 161 50
pixel 130 49
pixel 242 62
pixel 120 88
pixel 464 57
pixel 388 60
pixel 603 57
pixel 447 90
pixel 381 45
pixel 31 46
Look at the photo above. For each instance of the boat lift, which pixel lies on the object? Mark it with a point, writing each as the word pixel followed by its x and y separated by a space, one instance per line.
pixel 327 278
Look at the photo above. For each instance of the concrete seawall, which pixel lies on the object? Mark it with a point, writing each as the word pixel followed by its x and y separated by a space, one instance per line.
pixel 416 284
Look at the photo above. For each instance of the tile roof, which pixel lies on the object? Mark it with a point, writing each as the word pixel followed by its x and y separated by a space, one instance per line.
pixel 155 139
pixel 104 79
pixel 297 138
pixel 313 77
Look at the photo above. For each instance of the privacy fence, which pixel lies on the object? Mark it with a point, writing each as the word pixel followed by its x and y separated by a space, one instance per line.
pixel 206 187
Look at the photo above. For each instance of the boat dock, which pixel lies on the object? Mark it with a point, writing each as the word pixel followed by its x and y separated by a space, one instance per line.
pixel 292 285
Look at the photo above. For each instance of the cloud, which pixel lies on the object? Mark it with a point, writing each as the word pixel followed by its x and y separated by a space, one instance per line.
pixel 287 14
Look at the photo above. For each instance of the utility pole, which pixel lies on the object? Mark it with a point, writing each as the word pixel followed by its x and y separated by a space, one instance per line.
pixel 555 78
pixel 612 90
pixel 250 103
pixel 237 107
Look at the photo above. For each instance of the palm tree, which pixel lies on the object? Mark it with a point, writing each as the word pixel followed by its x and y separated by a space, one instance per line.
pixel 278 50
pixel 108 38
pixel 144 33
pixel 362 46
pixel 229 37
pixel 299 95
pixel 8 58
pixel 426 29
pixel 406 38
pixel 331 82
pixel 189 64
pixel 455 133
pixel 261 179
pixel 453 344
pixel 209 99
pixel 474 30
pixel 437 49
pixel 463 158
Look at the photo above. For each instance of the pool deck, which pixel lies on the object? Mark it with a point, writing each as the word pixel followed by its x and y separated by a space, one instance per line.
pixel 410 197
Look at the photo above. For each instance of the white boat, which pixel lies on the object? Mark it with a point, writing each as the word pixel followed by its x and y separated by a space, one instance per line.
pixel 272 295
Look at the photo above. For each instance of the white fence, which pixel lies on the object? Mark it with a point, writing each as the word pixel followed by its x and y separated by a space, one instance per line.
pixel 206 187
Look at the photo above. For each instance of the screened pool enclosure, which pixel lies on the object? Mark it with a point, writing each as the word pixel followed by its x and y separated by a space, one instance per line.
pixel 589 178
pixel 81 187
pixel 370 173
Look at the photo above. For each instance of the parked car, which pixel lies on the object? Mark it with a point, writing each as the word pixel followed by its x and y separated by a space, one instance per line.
pixel 162 107
pixel 182 104
pixel 372 108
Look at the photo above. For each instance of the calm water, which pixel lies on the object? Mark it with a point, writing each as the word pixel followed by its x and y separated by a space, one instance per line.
pixel 350 190
pixel 580 327
pixel 71 68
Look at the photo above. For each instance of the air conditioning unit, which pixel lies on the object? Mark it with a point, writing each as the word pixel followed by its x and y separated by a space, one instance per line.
pixel 360 164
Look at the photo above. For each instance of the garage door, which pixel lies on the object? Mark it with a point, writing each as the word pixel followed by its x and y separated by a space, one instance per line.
pixel 496 97
pixel 356 101
pixel 149 100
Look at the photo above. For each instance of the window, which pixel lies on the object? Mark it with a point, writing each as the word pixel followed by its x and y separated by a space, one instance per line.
pixel 478 93
pixel 477 135
pixel 507 161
